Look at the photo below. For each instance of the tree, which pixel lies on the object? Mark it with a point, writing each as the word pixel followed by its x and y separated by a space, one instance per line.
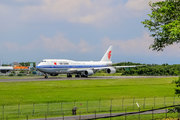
pixel 164 23
pixel 177 90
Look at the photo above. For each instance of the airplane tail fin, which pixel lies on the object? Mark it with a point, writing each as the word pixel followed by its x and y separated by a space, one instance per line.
pixel 107 55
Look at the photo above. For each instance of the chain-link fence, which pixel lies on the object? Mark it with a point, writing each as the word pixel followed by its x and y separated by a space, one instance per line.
pixel 49 109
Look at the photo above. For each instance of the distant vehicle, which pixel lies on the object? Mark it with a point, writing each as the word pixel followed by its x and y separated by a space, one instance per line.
pixel 79 68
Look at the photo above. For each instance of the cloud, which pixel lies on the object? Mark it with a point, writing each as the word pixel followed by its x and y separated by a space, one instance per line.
pixel 92 12
pixel 58 43
pixel 139 46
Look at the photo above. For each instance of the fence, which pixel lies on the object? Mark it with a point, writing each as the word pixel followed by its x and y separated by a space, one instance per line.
pixel 20 111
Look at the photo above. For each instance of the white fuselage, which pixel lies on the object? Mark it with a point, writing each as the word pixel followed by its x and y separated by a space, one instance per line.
pixel 63 66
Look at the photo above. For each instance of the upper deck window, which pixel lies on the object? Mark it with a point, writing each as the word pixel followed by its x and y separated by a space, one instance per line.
pixel 64 63
pixel 43 61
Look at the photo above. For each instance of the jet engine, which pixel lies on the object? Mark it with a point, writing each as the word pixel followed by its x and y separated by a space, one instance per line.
pixel 111 70
pixel 88 72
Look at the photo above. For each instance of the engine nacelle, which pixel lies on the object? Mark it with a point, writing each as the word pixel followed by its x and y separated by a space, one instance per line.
pixel 88 72
pixel 111 70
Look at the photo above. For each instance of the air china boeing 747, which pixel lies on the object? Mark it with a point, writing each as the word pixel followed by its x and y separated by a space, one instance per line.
pixel 79 68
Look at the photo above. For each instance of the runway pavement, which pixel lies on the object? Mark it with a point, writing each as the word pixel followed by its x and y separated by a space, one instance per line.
pixel 74 78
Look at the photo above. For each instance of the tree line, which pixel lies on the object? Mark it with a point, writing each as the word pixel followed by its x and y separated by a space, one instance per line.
pixel 149 69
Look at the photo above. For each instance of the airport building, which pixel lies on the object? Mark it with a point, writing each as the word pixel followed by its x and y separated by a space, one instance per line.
pixel 5 70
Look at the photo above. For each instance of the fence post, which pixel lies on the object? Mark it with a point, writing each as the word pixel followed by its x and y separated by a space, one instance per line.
pixel 87 105
pixel 48 108
pixel 95 114
pixel 133 103
pixel 80 115
pixel 154 101
pixel 125 114
pixel 122 103
pixel 99 104
pixel 3 111
pixel 33 108
pixel 61 106
pixel 74 103
pixel 174 99
pixel 6 117
pixel 18 109
pixel 63 115
pixel 45 116
pixel 166 113
pixel 111 103
pixel 144 102
pixel 179 114
pixel 110 114
pixel 27 117
pixel 139 114
pixel 164 100
pixel 152 114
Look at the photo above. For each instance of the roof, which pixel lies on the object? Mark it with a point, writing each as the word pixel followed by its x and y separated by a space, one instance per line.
pixel 21 67
pixel 6 68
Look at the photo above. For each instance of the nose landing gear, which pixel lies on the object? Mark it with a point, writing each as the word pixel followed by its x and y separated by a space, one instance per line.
pixel 45 75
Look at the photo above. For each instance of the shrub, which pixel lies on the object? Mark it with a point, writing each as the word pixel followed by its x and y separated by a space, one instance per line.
pixel 11 74
pixel 20 74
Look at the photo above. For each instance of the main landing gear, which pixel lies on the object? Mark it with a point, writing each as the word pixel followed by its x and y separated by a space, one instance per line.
pixel 77 75
pixel 45 75
pixel 69 75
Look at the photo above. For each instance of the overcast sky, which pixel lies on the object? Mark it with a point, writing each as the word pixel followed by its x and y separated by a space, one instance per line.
pixel 32 30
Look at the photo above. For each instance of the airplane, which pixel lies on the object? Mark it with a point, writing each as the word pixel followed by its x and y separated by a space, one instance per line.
pixel 79 68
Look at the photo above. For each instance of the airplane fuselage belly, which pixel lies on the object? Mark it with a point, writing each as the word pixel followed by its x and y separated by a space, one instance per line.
pixel 54 70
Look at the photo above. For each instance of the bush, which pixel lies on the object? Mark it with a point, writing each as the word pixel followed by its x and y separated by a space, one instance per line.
pixel 11 74
pixel 20 74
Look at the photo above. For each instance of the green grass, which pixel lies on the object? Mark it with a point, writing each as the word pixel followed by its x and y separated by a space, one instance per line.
pixel 40 92
pixel 82 90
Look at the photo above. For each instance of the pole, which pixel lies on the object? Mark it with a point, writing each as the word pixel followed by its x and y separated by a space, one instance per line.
pixel 110 114
pixel 144 102
pixel 48 108
pixel 154 101
pixel 133 103
pixel 164 100
pixel 45 116
pixel 166 113
pixel 87 105
pixel 122 103
pixel 99 105
pixel 139 114
pixel 33 108
pixel 3 111
pixel 61 107
pixel 111 103
pixel 18 109
pixel 80 115
pixel 125 114
pixel 95 114
pixel 152 114
pixel 74 103
pixel 27 117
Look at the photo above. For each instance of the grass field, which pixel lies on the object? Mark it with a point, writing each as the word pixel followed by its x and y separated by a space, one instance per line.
pixel 40 92
pixel 82 90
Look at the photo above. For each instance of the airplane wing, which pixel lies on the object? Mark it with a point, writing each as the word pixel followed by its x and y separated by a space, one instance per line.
pixel 99 68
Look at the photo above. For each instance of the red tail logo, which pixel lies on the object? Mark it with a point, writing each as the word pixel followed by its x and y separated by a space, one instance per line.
pixel 109 54
pixel 55 63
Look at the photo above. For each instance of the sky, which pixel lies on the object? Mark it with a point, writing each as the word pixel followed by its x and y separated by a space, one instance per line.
pixel 33 30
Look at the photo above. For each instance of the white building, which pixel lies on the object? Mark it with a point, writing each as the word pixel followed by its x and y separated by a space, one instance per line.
pixel 5 70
